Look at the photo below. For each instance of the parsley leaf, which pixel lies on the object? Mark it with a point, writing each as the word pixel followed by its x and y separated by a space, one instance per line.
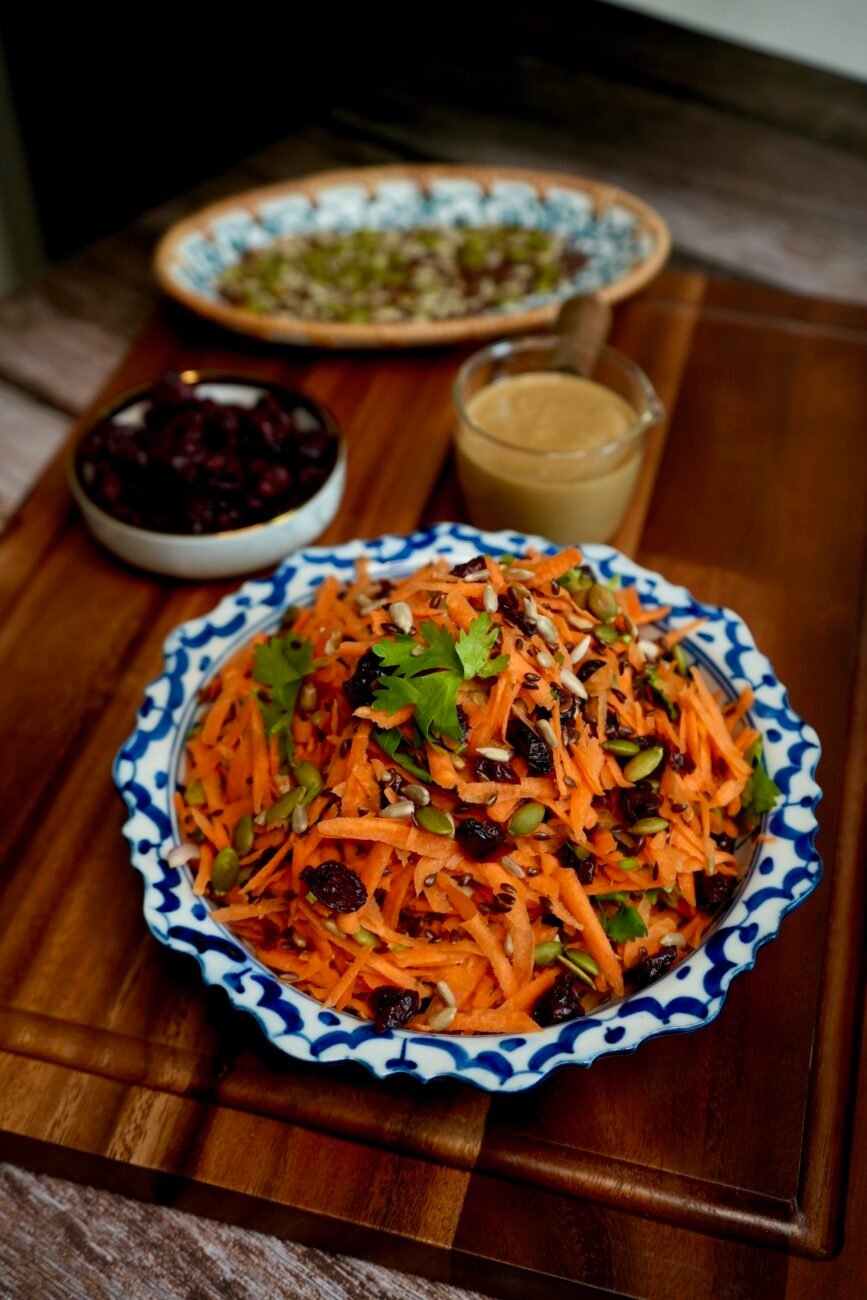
pixel 430 680
pixel 391 740
pixel 760 792
pixel 625 924
pixel 280 664
pixel 474 649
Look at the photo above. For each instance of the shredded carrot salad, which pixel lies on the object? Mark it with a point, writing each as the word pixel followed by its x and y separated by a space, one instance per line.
pixel 483 799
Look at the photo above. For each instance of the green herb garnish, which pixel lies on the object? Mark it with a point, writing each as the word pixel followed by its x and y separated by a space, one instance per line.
pixel 430 681
pixel 625 924
pixel 392 741
pixel 760 792
pixel 280 664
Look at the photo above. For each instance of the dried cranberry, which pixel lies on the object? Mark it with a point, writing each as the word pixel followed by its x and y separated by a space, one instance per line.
pixel 588 668
pixel 481 840
pixel 335 885
pixel 649 969
pixel 640 801
pixel 725 843
pixel 584 868
pixel 562 1002
pixel 540 760
pixel 358 688
pixel 392 1007
pixel 469 567
pixel 490 769
pixel 713 891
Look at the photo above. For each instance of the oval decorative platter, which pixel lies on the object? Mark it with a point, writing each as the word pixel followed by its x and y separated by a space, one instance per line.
pixel 622 240
pixel 778 875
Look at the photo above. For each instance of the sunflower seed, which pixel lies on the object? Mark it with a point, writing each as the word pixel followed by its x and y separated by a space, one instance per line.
pixel 299 819
pixel 530 609
pixel 548 734
pixel 445 993
pixel 489 599
pixel 331 926
pixel 578 621
pixel 442 1019
pixel 649 649
pixel 572 684
pixel 401 615
pixel 544 659
pixel 509 944
pixel 282 782
pixel 513 868
pixel 498 753
pixel 521 575
pixel 672 940
pixel 332 643
pixel 579 651
pixel 400 808
pixel 417 793
pixel 547 630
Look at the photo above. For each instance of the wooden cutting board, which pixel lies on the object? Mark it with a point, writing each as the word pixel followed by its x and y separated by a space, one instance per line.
pixel 701 1165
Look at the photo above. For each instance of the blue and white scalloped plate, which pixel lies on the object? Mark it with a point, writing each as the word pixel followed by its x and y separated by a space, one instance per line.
pixel 779 875
pixel 624 240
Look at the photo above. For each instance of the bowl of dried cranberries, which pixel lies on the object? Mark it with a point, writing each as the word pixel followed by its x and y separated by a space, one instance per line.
pixel 204 474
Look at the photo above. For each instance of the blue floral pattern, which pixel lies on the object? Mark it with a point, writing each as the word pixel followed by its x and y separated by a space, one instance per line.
pixel 780 876
pixel 611 239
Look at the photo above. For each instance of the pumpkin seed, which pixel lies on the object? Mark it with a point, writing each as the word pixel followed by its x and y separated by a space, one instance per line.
pixel 401 615
pixel 282 810
pixel 310 779
pixel 607 635
pixel 628 864
pixel 547 953
pixel 224 872
pixel 525 819
pixel 575 580
pixel 435 820
pixel 195 793
pixel 311 898
pixel 681 660
pixel 602 602
pixel 584 960
pixel 574 969
pixel 417 793
pixel 243 837
pixel 644 763
pixel 400 808
pixel 365 937
pixel 649 826
pixel 622 748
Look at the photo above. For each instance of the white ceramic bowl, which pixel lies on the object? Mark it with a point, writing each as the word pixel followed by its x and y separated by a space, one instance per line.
pixel 223 554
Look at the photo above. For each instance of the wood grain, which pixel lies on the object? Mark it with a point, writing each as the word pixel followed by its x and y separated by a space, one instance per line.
pixel 650 1174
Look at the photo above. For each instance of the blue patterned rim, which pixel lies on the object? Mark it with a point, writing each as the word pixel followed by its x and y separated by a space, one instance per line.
pixel 611 238
pixel 780 876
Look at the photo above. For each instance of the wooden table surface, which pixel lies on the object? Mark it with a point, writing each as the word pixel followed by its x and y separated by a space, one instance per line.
pixel 762 382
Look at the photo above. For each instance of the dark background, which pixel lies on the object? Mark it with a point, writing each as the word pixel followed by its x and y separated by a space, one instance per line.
pixel 758 163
